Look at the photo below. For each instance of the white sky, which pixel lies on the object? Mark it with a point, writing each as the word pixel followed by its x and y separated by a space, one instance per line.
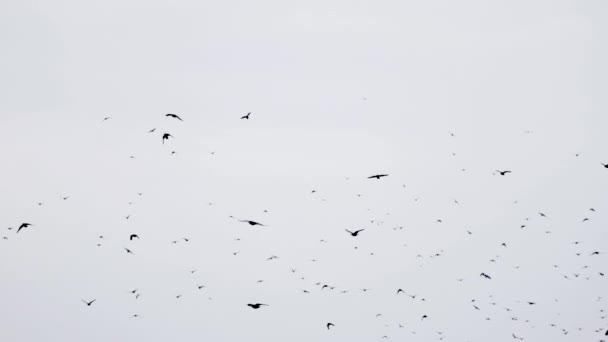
pixel 338 90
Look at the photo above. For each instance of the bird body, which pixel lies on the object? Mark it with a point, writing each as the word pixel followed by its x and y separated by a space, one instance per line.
pixel 355 233
pixel 175 116
pixel 377 176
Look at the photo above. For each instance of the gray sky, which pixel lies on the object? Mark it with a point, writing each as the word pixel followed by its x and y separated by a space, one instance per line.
pixel 339 91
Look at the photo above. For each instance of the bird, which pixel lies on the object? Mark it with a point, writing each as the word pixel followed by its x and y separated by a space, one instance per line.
pixel 485 275
pixel 24 225
pixel 174 116
pixel 133 236
pixel 152 130
pixel 106 119
pixel 355 233
pixel 128 250
pixel 377 176
pixel 246 116
pixel 253 223
pixel 256 306
pixel 400 290
pixel 502 173
pixel 330 325
pixel 89 303
pixel 166 136
pixel 605 165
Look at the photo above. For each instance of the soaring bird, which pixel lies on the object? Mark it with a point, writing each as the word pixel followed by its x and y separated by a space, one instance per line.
pixel 377 176
pixel 330 325
pixel 246 116
pixel 133 236
pixel 502 173
pixel 24 225
pixel 166 136
pixel 174 116
pixel 605 165
pixel 485 275
pixel 152 130
pixel 128 250
pixel 400 290
pixel 256 306
pixel 89 303
pixel 355 233
pixel 253 223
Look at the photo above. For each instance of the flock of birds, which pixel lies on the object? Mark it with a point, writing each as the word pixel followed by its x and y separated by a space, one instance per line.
pixel 24 227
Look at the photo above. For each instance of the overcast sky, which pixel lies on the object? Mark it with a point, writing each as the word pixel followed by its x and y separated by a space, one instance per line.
pixel 437 94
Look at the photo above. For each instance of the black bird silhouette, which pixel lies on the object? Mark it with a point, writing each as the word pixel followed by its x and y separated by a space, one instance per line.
pixel 605 165
pixel 355 233
pixel 502 173
pixel 246 116
pixel 128 250
pixel 253 223
pixel 330 325
pixel 133 236
pixel 24 225
pixel 89 303
pixel 377 176
pixel 256 306
pixel 166 136
pixel 400 290
pixel 485 275
pixel 174 116
pixel 152 130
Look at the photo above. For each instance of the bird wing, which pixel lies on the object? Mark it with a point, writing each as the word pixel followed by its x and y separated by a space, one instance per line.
pixel 348 231
pixel 360 230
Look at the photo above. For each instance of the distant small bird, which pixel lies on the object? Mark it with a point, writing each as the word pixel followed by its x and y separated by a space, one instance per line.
pixel 106 119
pixel 256 306
pixel 502 173
pixel 246 116
pixel 377 176
pixel 133 236
pixel 400 290
pixel 605 165
pixel 424 316
pixel 485 275
pixel 355 233
pixel 89 303
pixel 174 116
pixel 128 250
pixel 166 136
pixel 152 130
pixel 330 325
pixel 24 225
pixel 252 223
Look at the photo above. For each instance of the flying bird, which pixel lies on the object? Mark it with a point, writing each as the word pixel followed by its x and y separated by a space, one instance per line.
pixel 133 236
pixel 485 275
pixel 377 176
pixel 246 116
pixel 355 233
pixel 24 225
pixel 502 173
pixel 174 116
pixel 253 223
pixel 330 325
pixel 166 136
pixel 256 306
pixel 89 303
pixel 128 250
